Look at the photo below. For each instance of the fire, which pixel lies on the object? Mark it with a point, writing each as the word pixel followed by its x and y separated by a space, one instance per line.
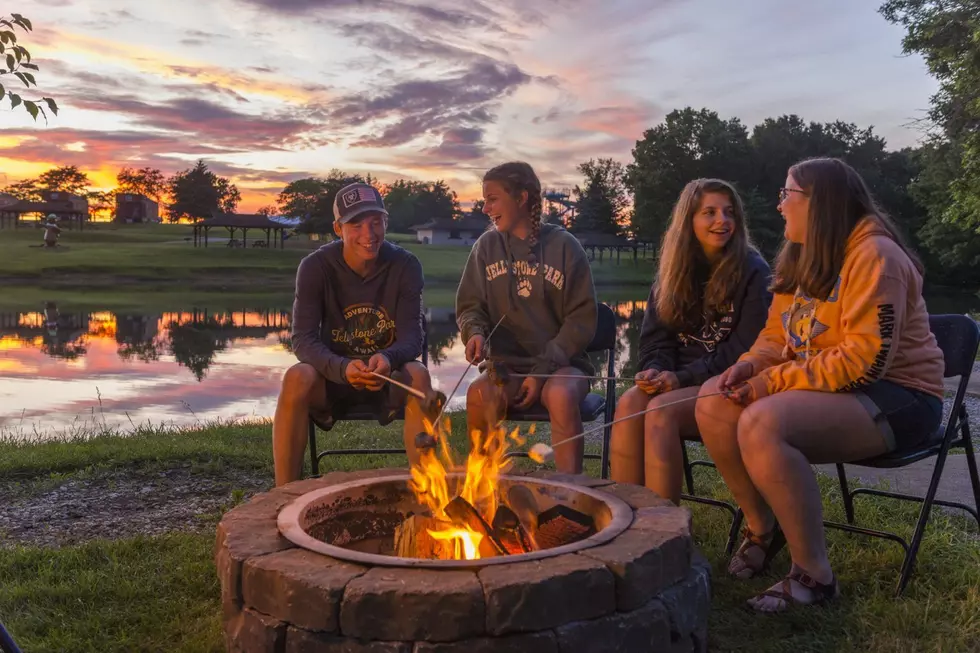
pixel 484 466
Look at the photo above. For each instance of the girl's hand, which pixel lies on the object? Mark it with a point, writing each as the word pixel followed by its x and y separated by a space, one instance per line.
pixel 735 376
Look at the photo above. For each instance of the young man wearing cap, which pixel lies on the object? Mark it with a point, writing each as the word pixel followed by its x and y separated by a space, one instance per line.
pixel 357 310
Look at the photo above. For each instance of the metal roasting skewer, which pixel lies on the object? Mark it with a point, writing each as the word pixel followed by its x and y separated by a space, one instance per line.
pixel 542 452
pixel 407 388
pixel 463 375
pixel 572 376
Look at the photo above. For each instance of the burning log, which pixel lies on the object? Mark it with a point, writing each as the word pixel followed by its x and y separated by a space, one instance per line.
pixel 412 539
pixel 521 500
pixel 507 527
pixel 562 525
pixel 460 511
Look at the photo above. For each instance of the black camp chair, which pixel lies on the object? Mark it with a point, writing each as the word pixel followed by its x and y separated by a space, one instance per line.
pixel 361 414
pixel 735 511
pixel 7 644
pixel 958 337
pixel 594 405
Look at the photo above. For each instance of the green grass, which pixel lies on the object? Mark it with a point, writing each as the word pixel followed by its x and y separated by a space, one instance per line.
pixel 114 256
pixel 161 593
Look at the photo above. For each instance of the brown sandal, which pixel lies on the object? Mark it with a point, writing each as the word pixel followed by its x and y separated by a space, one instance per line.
pixel 745 561
pixel 823 593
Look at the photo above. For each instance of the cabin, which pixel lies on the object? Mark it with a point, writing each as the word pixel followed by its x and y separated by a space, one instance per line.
pixel 131 208
pixel 65 206
pixel 441 231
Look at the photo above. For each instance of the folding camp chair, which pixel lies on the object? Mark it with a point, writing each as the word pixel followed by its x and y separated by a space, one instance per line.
pixel 7 644
pixel 594 405
pixel 361 414
pixel 958 337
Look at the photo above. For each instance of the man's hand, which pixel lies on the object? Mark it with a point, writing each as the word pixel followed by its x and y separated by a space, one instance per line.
pixel 529 393
pixel 378 363
pixel 475 347
pixel 356 374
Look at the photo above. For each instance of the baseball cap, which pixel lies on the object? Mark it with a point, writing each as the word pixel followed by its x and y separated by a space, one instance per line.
pixel 356 199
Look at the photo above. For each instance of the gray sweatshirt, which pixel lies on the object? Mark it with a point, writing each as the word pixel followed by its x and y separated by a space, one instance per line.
pixel 550 305
pixel 339 316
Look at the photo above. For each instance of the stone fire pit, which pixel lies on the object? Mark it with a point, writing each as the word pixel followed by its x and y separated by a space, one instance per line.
pixel 635 585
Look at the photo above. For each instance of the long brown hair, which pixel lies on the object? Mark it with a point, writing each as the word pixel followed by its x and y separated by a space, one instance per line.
pixel 680 302
pixel 517 176
pixel 839 199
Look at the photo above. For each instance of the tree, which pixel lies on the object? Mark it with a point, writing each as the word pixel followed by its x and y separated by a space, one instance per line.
pixel 266 211
pixel 198 193
pixel 476 211
pixel 101 203
pixel 688 145
pixel 945 33
pixel 411 203
pixel 148 182
pixel 26 190
pixel 312 199
pixel 66 179
pixel 16 60
pixel 603 203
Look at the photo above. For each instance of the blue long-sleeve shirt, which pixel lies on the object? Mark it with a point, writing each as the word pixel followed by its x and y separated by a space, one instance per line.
pixel 339 316
pixel 714 346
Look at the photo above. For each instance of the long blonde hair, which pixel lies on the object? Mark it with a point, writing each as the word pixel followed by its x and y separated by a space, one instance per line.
pixel 680 301
pixel 839 200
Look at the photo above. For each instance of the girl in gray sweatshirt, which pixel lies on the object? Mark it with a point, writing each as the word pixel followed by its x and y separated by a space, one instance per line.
pixel 538 279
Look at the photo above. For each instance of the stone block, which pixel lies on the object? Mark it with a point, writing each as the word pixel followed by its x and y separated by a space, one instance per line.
pixel 542 594
pixel 413 604
pixel 637 496
pixel 238 540
pixel 253 632
pixel 669 529
pixel 688 603
pixel 297 488
pixel 583 480
pixel 637 563
pixel 303 641
pixel 543 642
pixel 646 629
pixel 302 588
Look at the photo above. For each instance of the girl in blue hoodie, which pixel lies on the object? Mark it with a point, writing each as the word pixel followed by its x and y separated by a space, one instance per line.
pixel 706 308
pixel 537 278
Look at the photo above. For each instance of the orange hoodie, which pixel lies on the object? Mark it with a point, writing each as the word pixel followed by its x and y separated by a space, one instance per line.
pixel 873 326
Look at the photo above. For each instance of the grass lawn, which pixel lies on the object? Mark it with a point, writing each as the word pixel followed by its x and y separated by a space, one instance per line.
pixel 161 593
pixel 105 255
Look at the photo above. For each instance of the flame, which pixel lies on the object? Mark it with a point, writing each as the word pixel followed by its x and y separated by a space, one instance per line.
pixel 484 466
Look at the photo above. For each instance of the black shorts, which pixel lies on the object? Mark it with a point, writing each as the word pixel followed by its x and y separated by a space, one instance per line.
pixel 905 417
pixel 343 399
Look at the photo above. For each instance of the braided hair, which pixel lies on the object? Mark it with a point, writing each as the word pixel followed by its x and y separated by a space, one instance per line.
pixel 515 177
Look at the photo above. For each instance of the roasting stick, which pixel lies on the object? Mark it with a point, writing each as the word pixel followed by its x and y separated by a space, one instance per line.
pixel 407 388
pixel 543 453
pixel 572 376
pixel 453 393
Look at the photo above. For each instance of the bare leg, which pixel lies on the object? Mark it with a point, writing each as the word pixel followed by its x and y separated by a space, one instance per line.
pixel 563 399
pixel 303 389
pixel 664 434
pixel 626 441
pixel 717 420
pixel 781 436
pixel 419 379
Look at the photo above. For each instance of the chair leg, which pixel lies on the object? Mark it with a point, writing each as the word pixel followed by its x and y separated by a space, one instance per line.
pixel 688 470
pixel 909 564
pixel 971 463
pixel 845 494
pixel 314 459
pixel 604 465
pixel 7 644
pixel 733 532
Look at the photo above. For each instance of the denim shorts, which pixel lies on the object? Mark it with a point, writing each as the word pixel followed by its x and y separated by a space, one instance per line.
pixel 905 417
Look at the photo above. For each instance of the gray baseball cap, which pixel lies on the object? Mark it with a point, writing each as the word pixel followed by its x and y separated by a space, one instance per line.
pixel 357 199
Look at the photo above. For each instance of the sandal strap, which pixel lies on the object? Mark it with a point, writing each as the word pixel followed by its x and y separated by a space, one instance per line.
pixel 823 591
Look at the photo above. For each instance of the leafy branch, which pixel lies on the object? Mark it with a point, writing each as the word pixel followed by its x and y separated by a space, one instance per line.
pixel 16 60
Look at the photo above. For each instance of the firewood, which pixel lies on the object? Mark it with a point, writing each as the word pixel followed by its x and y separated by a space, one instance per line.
pixel 460 511
pixel 521 500
pixel 412 539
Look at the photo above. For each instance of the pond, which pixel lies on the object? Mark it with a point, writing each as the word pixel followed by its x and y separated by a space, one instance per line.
pixel 68 367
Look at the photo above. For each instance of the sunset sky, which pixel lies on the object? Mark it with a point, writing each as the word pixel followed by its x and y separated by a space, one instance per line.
pixel 268 91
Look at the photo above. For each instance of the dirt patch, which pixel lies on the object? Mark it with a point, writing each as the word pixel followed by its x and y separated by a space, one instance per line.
pixel 122 503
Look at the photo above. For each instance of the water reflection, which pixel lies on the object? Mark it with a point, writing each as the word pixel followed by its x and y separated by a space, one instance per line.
pixel 72 368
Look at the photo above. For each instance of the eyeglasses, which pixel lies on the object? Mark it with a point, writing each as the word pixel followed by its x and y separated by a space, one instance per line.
pixel 784 192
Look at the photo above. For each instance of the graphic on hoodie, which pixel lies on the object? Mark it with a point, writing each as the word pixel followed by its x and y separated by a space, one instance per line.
pixel 367 329
pixel 712 331
pixel 525 273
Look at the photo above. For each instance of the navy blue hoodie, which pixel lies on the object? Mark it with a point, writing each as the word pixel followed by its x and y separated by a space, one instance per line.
pixel 714 346
pixel 339 316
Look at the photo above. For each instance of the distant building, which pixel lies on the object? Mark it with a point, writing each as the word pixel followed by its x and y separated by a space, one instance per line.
pixel 462 232
pixel 74 203
pixel 6 199
pixel 131 207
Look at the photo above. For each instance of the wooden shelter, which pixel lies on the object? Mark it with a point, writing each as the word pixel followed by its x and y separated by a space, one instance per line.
pixel 599 242
pixel 63 205
pixel 274 231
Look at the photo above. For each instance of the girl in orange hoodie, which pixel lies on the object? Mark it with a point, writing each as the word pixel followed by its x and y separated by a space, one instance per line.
pixel 846 368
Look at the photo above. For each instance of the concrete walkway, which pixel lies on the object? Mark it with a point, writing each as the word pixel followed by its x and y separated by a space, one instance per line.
pixel 914 479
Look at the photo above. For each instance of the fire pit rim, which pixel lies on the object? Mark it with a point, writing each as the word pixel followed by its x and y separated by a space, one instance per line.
pixel 288 522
